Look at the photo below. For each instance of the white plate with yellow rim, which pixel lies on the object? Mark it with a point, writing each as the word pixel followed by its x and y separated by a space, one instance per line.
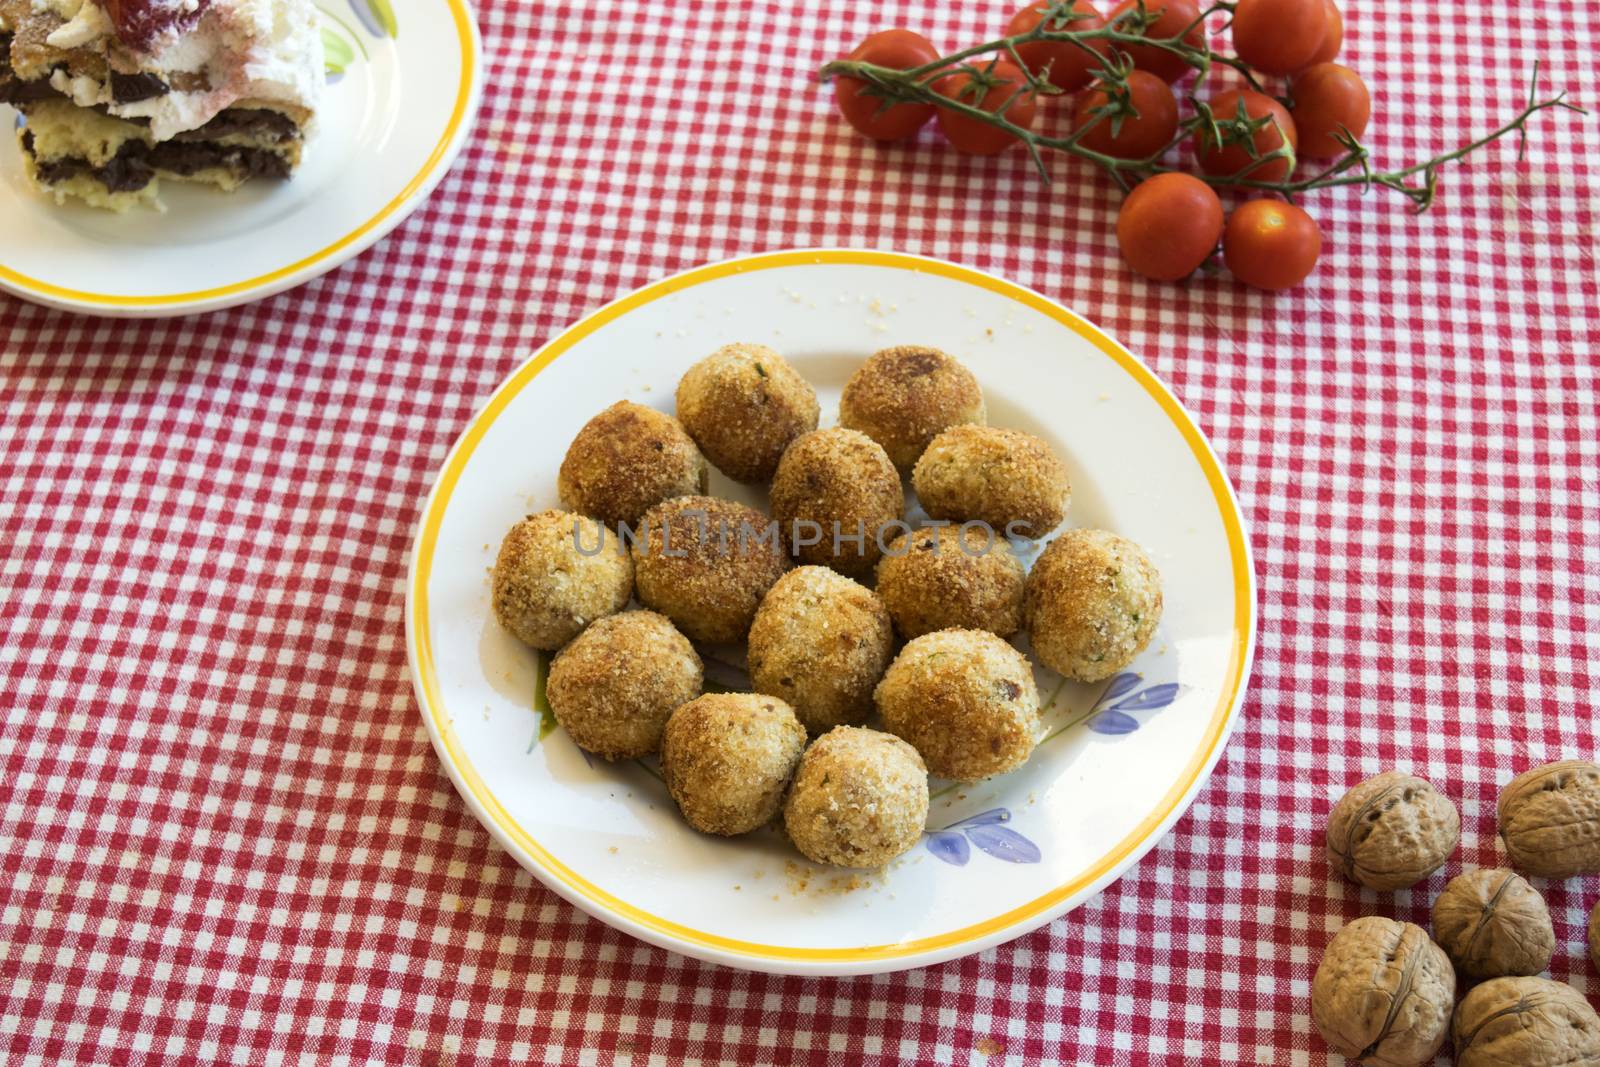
pixel 404 83
pixel 1121 760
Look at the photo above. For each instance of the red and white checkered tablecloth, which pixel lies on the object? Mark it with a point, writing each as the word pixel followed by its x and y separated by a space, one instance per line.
pixel 225 837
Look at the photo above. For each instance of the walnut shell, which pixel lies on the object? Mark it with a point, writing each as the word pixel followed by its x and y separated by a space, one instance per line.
pixel 1392 831
pixel 1594 936
pixel 1492 924
pixel 1529 1022
pixel 1382 994
pixel 1550 819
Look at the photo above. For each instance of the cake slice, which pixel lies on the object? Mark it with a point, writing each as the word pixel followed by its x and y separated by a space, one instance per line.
pixel 119 94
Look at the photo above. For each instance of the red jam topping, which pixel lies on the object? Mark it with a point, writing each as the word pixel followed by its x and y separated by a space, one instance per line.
pixel 140 22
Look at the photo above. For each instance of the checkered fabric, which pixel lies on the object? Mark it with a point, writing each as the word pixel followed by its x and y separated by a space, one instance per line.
pixel 226 838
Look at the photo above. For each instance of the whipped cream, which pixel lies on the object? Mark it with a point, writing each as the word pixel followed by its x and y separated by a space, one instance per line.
pixel 85 24
pixel 258 50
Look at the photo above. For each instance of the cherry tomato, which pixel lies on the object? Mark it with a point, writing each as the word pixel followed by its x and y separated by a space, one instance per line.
pixel 902 50
pixel 973 136
pixel 1069 66
pixel 1234 158
pixel 1169 225
pixel 1139 135
pixel 1174 16
pixel 1332 34
pixel 1270 244
pixel 1278 36
pixel 1326 97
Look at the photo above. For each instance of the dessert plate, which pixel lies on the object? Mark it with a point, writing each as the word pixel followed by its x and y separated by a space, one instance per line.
pixel 1120 762
pixel 405 81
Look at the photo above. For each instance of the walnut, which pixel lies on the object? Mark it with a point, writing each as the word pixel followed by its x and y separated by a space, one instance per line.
pixel 1382 994
pixel 1493 923
pixel 1594 936
pixel 1392 831
pixel 1529 1022
pixel 1550 819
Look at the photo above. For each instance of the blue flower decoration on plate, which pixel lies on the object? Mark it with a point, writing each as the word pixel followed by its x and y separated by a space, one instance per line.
pixel 1110 714
pixel 954 843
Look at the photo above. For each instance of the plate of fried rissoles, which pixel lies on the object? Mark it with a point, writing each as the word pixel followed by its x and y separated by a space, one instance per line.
pixel 830 612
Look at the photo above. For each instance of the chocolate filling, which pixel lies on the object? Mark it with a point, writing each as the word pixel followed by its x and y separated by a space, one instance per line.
pixel 125 88
pixel 131 88
pixel 264 123
pixel 254 122
pixel 123 173
pixel 13 90
pixel 135 163
pixel 186 159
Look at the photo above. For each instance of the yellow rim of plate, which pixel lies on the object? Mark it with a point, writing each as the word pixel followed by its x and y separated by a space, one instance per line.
pixel 463 24
pixel 422 647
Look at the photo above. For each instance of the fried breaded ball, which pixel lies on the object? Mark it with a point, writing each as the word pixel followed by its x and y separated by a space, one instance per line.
pixel 906 396
pixel 836 481
pixel 1009 479
pixel 859 799
pixel 821 642
pixel 965 700
pixel 944 577
pixel 1092 604
pixel 728 757
pixel 556 573
pixel 706 563
pixel 626 459
pixel 743 404
pixel 614 686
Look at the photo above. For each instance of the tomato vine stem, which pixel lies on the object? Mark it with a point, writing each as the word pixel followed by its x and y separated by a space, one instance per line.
pixel 920 85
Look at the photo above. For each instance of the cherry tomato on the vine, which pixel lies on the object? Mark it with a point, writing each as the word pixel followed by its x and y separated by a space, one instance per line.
pixel 1069 67
pixel 1169 225
pixel 1232 158
pixel 1332 34
pixel 1271 244
pixel 902 50
pixel 973 136
pixel 1278 36
pixel 1175 15
pixel 1138 135
pixel 1326 97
